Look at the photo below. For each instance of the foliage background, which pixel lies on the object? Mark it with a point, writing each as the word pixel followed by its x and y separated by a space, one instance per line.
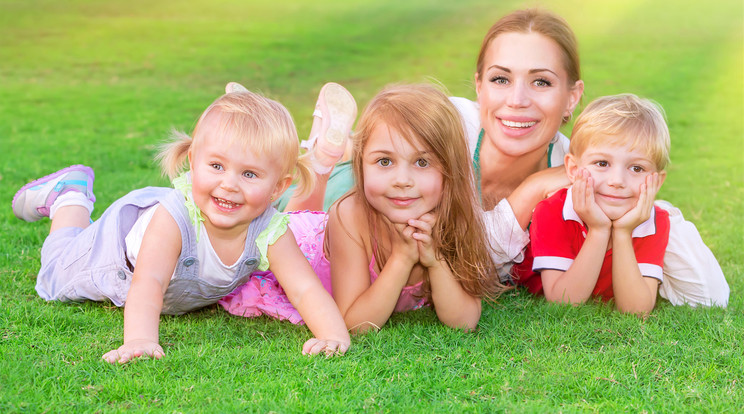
pixel 102 82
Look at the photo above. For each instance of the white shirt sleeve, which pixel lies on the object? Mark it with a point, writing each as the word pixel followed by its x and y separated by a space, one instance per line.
pixel 507 238
pixel 470 115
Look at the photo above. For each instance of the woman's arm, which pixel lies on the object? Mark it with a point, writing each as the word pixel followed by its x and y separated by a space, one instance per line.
pixel 306 292
pixel 363 305
pixel 534 189
pixel 156 262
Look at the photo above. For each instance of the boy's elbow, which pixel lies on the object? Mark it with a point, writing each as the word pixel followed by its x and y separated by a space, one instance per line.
pixel 640 310
pixel 561 298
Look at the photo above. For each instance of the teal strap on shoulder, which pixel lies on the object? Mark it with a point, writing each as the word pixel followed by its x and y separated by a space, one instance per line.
pixel 476 165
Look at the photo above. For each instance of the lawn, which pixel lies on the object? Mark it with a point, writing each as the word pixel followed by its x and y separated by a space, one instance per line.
pixel 102 82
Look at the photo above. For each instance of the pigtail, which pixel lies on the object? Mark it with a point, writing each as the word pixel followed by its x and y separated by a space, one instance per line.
pixel 172 155
pixel 305 176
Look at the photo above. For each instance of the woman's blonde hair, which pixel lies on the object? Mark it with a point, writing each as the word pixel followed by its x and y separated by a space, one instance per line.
pixel 258 123
pixel 424 116
pixel 623 119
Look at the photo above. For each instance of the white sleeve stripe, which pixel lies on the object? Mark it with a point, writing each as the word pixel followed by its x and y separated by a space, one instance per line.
pixel 651 270
pixel 551 262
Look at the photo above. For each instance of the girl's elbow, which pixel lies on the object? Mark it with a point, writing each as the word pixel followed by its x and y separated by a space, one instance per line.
pixel 464 325
pixel 467 322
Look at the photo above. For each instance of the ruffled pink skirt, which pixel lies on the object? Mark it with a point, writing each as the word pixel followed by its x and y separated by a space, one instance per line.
pixel 263 295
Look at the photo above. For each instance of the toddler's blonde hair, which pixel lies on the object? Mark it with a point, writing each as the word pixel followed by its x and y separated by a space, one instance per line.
pixel 259 124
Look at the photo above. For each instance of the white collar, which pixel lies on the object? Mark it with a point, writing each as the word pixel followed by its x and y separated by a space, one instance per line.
pixel 644 229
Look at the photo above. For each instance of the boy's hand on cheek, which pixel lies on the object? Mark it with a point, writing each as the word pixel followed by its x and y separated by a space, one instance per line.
pixel 585 205
pixel 642 210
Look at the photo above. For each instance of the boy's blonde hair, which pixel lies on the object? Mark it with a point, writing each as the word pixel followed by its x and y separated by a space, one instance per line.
pixel 425 117
pixel 258 123
pixel 621 120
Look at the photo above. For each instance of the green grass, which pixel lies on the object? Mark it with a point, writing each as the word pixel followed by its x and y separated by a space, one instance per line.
pixel 102 82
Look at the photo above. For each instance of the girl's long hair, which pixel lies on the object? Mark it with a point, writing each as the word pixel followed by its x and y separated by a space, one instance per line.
pixel 426 118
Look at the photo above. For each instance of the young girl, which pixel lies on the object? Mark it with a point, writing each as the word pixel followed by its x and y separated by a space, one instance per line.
pixel 409 234
pixel 171 251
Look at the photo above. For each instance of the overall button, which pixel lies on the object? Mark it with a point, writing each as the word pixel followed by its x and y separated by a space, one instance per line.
pixel 121 275
pixel 189 262
pixel 251 262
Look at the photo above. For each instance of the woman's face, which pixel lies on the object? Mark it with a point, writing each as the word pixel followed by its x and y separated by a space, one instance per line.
pixel 524 92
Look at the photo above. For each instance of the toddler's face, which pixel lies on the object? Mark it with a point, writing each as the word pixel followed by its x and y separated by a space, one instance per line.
pixel 401 181
pixel 230 186
pixel 618 173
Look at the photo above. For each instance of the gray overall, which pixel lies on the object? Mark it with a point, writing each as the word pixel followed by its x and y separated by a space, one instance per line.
pixel 90 264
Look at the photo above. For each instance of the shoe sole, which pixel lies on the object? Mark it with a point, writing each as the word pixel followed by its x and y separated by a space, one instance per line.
pixel 342 110
pixel 78 167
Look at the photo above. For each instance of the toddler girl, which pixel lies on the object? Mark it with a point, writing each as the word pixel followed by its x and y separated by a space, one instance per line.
pixel 409 234
pixel 171 251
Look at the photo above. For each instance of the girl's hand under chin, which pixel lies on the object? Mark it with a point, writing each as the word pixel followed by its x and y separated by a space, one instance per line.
pixel 403 245
pixel 424 242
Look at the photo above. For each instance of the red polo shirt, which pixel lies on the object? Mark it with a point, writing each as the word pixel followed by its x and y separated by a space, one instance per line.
pixel 557 234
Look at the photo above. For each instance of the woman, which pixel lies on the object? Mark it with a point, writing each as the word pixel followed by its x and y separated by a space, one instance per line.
pixel 528 84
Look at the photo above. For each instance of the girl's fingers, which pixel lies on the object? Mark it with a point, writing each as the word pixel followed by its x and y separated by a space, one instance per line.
pixel 330 349
pixel 316 346
pixel 308 346
pixel 421 226
pixel 422 238
pixel 408 232
pixel 429 218
pixel 111 356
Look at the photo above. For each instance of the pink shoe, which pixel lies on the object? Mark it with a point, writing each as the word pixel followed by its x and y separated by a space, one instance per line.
pixel 334 114
pixel 235 87
pixel 34 200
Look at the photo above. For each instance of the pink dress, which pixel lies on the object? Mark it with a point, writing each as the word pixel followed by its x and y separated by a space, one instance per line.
pixel 263 295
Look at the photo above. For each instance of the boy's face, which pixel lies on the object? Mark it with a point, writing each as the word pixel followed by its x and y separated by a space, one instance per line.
pixel 617 172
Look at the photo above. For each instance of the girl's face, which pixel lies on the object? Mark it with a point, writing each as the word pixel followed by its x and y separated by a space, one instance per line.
pixel 524 92
pixel 231 186
pixel 401 181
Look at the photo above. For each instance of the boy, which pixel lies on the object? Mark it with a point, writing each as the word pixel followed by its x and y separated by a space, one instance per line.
pixel 603 236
